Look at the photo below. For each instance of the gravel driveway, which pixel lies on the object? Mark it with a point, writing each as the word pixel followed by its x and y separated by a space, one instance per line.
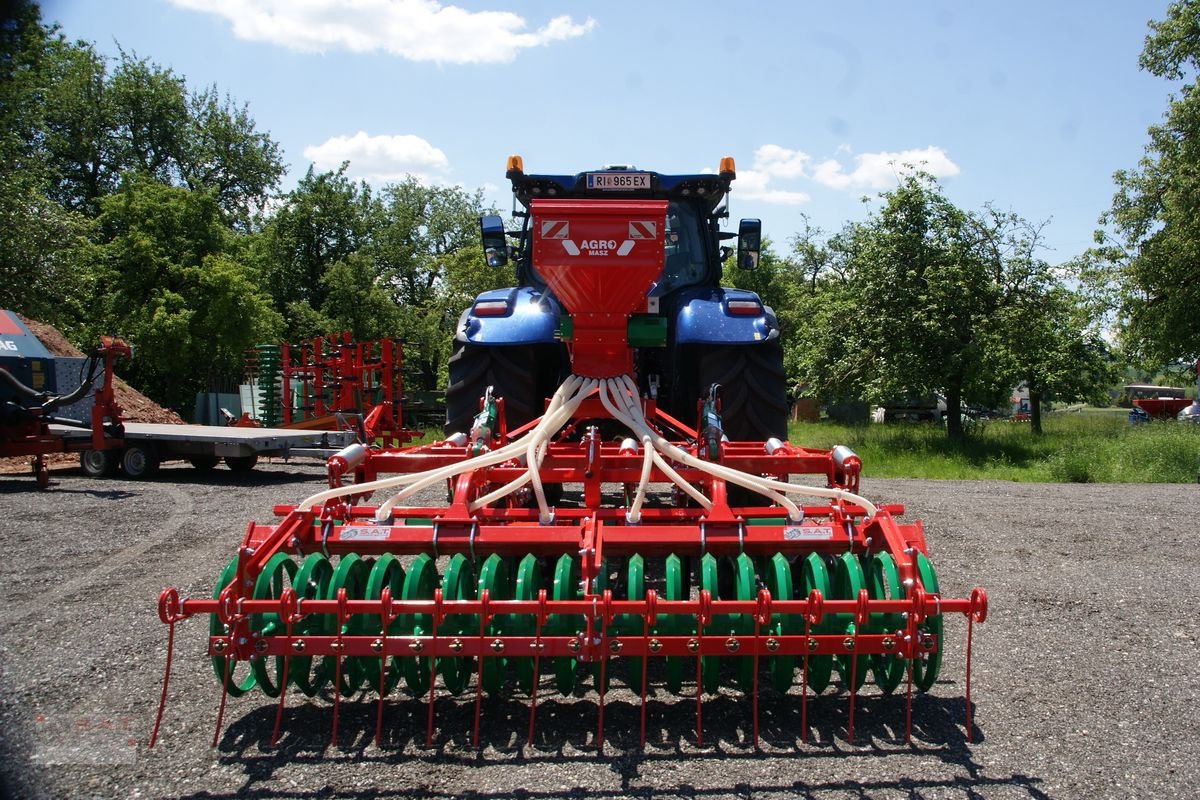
pixel 1083 671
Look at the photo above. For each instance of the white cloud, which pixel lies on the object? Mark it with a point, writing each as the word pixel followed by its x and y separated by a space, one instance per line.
pixel 380 159
pixel 418 30
pixel 773 162
pixel 880 170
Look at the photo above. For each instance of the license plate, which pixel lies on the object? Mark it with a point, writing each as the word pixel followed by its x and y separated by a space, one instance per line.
pixel 618 181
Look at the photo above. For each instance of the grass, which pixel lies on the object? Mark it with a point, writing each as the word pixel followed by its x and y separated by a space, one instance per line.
pixel 1088 446
pixel 1081 446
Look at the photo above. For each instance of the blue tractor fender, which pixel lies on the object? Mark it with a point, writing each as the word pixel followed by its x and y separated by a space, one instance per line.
pixel 724 316
pixel 521 315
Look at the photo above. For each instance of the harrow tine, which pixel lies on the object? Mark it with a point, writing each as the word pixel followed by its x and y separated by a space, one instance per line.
pixel 385 613
pixel 977 613
pixel 224 693
pixel 860 619
pixel 337 663
pixel 761 614
pixel 169 612
pixel 289 607
pixel 484 597
pixel 650 620
pixel 537 655
pixel 437 619
pixel 282 691
pixel 702 619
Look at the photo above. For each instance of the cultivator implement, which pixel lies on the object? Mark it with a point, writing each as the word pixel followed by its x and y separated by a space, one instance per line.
pixel 661 558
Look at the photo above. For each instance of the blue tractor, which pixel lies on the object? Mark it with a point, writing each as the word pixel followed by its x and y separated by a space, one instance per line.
pixel 693 334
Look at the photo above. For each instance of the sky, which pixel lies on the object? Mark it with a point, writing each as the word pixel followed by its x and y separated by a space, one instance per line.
pixel 1029 106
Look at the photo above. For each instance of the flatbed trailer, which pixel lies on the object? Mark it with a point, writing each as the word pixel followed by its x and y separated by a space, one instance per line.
pixel 146 445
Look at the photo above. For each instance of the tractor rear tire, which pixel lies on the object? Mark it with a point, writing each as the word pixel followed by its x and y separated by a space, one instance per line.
pixel 99 463
pixel 754 405
pixel 524 375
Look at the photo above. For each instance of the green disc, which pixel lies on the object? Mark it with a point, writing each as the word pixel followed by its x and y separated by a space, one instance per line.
pixel 236 688
pixel 529 582
pixel 815 575
pixel 848 580
pixel 633 624
pixel 926 668
pixel 351 574
pixel 385 573
pixel 566 587
pixel 311 583
pixel 279 571
pixel 778 577
pixel 745 588
pixel 710 666
pixel 419 584
pixel 458 584
pixel 883 582
pixel 494 578
pixel 674 624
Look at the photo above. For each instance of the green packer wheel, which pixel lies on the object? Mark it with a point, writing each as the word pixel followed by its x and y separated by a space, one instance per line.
pixel 779 583
pixel 710 666
pixel 419 584
pixel 566 587
pixel 311 583
pixel 386 573
pixel 234 687
pixel 529 583
pixel 634 624
pixel 350 573
pixel 883 583
pixel 674 624
pixel 848 580
pixel 270 584
pixel 926 667
pixel 458 584
pixel 495 580
pixel 745 588
pixel 815 575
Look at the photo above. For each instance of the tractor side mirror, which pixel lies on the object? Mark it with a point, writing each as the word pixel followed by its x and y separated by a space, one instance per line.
pixel 495 243
pixel 749 243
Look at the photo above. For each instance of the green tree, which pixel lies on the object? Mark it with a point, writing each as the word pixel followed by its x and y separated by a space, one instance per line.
pixel 162 275
pixel 925 298
pixel 1147 264
pixel 322 222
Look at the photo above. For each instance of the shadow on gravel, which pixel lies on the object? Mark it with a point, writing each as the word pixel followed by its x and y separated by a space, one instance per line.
pixel 565 733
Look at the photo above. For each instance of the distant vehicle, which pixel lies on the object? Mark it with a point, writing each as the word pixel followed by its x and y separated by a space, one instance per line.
pixel 1157 401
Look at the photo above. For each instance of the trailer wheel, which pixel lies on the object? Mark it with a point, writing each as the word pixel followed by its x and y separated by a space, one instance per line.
pixel 99 463
pixel 241 463
pixel 204 463
pixel 139 461
pixel 524 375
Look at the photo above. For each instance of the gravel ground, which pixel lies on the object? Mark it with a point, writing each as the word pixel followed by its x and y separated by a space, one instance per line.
pixel 1082 684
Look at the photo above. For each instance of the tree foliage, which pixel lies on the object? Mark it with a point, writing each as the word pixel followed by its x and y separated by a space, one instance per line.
pixel 924 298
pixel 1147 264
